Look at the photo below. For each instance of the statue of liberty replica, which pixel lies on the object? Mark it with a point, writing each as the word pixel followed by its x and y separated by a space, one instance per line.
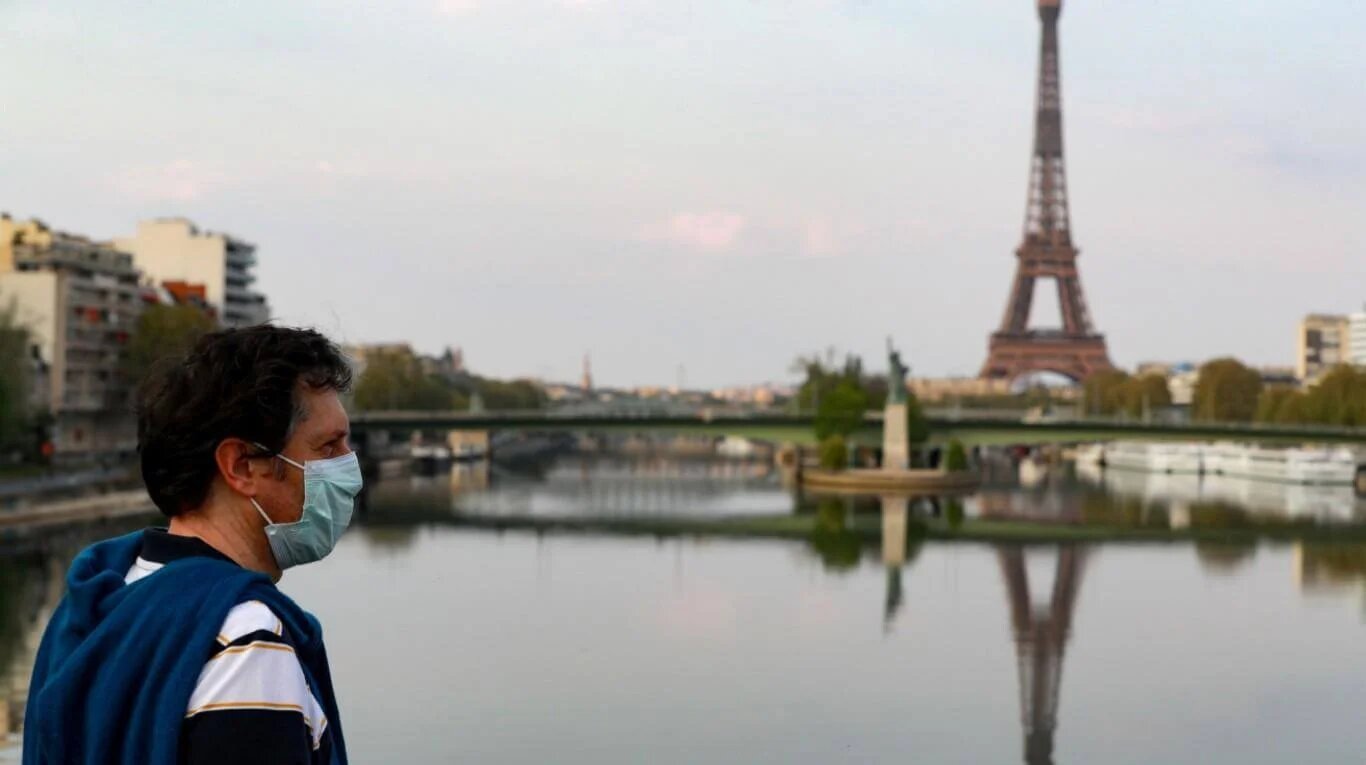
pixel 896 448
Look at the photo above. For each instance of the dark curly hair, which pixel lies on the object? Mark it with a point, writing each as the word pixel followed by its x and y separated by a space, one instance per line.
pixel 234 383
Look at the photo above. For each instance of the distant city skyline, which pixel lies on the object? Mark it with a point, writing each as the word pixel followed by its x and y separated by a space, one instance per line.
pixel 718 186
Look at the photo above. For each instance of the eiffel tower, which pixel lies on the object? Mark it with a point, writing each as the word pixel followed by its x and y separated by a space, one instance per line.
pixel 1077 350
pixel 1040 639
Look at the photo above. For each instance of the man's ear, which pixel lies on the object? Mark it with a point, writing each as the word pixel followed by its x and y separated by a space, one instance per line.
pixel 234 458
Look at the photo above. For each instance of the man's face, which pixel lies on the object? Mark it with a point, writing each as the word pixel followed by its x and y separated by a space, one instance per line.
pixel 321 433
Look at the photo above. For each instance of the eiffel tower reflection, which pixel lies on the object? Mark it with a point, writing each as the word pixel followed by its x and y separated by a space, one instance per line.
pixel 1041 634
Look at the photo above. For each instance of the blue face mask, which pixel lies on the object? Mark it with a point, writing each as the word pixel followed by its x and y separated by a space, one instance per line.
pixel 330 489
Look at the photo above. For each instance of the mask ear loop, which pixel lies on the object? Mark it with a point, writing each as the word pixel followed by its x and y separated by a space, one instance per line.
pixel 257 505
pixel 269 452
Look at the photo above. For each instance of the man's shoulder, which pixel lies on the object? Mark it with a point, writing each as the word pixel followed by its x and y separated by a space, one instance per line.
pixel 251 618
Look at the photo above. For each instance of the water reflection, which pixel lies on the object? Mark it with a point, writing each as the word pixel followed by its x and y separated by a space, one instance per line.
pixel 895 543
pixel 1041 631
pixel 32 581
pixel 686 650
pixel 1331 569
pixel 1332 504
pixel 587 486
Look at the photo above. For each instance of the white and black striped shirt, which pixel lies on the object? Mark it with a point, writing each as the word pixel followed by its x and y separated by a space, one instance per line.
pixel 252 702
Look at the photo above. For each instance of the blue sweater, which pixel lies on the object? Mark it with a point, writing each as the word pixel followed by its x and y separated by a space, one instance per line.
pixel 118 662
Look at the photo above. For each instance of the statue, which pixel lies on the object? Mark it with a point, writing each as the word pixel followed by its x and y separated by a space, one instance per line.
pixel 896 376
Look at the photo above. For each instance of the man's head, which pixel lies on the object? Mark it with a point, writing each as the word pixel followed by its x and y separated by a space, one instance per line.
pixel 201 419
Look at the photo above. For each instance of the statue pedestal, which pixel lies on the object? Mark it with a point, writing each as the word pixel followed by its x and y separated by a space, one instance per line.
pixel 896 450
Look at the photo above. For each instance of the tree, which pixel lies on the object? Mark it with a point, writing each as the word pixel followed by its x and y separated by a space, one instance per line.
pixel 1338 398
pixel 1293 409
pixel 956 457
pixel 163 332
pixel 510 395
pixel 1141 395
pixel 395 380
pixel 834 453
pixel 840 411
pixel 15 382
pixel 822 377
pixel 1104 392
pixel 1276 399
pixel 1227 391
pixel 841 395
pixel 917 427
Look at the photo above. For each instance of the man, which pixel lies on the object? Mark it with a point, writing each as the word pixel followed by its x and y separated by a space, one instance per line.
pixel 174 645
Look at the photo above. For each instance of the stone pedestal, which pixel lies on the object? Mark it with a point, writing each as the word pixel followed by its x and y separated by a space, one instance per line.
pixel 894 512
pixel 896 449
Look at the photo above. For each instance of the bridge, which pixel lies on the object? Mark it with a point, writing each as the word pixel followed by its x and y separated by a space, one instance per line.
pixel 970 426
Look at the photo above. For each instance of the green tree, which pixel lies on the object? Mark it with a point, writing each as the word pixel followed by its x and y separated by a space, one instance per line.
pixel 822 377
pixel 507 395
pixel 955 457
pixel 841 411
pixel 15 381
pixel 1274 400
pixel 1227 391
pixel 917 427
pixel 834 453
pixel 162 332
pixel 1293 409
pixel 1104 392
pixel 395 380
pixel 1338 398
pixel 1141 395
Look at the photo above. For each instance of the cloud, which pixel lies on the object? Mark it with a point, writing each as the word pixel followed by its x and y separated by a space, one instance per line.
pixel 457 7
pixel 178 181
pixel 713 231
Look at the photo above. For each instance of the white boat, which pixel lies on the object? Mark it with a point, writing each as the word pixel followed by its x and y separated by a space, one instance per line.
pixel 1033 471
pixel 1222 457
pixel 1155 457
pixel 1320 502
pixel 1302 465
pixel 429 457
pixel 1090 455
pixel 736 447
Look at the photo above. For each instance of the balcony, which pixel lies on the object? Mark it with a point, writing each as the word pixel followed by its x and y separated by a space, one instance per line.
pixel 241 257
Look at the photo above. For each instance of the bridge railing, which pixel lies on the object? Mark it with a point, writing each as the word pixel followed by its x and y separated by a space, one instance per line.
pixel 938 418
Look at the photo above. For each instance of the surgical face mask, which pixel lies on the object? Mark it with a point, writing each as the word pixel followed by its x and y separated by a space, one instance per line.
pixel 330 489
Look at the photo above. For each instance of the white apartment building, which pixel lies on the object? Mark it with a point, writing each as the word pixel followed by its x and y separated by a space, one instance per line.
pixel 174 250
pixel 1323 344
pixel 79 301
pixel 1356 337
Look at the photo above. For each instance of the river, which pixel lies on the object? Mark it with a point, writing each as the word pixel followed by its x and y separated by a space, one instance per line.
pixel 454 644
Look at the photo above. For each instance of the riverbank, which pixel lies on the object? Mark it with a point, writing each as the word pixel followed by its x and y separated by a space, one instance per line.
pixel 121 504
pixel 868 528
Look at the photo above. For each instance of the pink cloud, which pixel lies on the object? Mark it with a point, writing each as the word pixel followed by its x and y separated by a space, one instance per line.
pixel 821 236
pixel 713 231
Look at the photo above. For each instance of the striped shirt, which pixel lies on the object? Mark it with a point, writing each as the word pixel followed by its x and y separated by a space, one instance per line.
pixel 252 702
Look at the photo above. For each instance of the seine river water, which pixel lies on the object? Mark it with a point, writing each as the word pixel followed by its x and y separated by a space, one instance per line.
pixel 455 644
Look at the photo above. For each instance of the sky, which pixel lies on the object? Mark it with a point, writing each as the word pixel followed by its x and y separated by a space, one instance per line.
pixel 706 190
